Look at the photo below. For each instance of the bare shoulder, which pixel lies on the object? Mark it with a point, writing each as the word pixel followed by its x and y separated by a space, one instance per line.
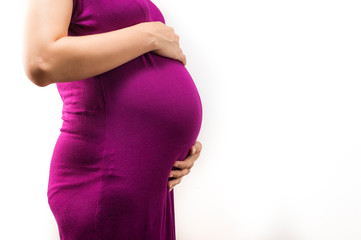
pixel 45 22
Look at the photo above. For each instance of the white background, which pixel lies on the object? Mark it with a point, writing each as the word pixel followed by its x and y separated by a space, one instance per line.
pixel 281 132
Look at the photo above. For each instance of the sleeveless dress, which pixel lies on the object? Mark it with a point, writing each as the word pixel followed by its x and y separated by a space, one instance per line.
pixel 121 133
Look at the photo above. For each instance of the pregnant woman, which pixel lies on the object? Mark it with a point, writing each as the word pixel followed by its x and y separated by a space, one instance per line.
pixel 131 113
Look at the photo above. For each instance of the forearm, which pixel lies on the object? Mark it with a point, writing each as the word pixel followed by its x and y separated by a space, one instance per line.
pixel 72 58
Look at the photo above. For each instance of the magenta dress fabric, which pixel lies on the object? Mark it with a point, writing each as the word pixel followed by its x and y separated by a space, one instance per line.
pixel 121 133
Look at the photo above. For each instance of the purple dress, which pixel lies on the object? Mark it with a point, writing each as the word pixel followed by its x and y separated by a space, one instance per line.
pixel 121 133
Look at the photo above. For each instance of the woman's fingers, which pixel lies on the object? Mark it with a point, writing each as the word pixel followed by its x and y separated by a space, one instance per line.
pixel 179 173
pixel 188 162
pixel 184 166
pixel 190 159
pixel 173 183
pixel 197 146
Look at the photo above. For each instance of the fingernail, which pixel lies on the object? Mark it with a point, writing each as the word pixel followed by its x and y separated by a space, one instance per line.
pixel 170 189
pixel 171 175
pixel 194 150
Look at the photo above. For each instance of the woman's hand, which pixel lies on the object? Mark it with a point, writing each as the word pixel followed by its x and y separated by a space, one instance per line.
pixel 184 166
pixel 166 41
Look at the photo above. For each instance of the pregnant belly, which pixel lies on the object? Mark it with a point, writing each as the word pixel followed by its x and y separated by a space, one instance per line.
pixel 153 98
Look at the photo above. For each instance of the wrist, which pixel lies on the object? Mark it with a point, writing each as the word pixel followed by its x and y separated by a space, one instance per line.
pixel 149 36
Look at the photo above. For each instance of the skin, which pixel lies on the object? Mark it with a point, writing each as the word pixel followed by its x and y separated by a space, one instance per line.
pixel 50 56
pixel 184 166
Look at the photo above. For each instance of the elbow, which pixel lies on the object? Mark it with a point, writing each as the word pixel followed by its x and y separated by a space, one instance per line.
pixel 37 72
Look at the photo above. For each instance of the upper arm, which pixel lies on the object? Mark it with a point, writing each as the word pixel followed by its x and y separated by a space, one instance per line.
pixel 45 22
